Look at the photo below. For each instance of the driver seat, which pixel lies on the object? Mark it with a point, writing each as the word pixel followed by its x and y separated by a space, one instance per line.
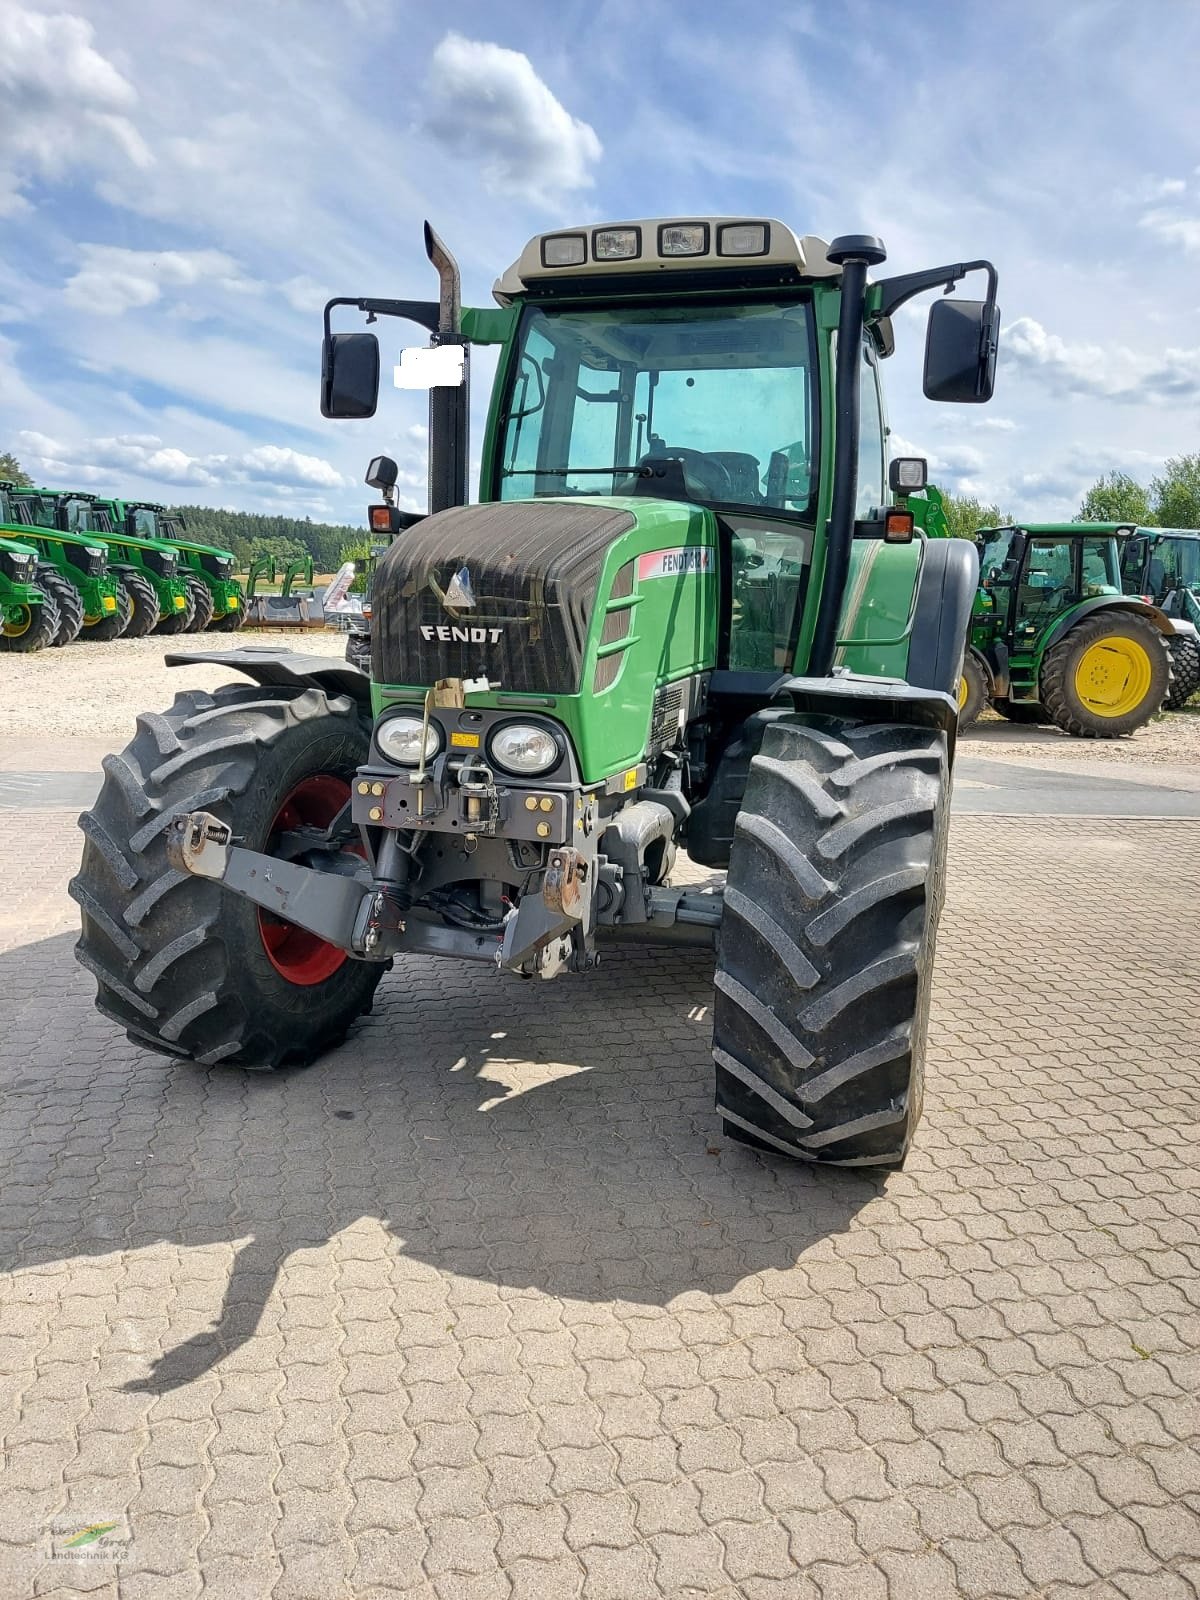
pixel 745 474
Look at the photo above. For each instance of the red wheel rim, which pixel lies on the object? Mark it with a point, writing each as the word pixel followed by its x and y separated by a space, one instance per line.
pixel 301 957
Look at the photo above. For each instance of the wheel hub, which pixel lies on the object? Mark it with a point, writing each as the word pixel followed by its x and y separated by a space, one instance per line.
pixel 1113 676
pixel 301 957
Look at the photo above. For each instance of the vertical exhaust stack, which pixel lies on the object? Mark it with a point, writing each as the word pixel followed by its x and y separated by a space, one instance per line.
pixel 449 409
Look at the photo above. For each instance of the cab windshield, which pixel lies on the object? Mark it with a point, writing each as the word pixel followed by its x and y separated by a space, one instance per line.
pixel 724 390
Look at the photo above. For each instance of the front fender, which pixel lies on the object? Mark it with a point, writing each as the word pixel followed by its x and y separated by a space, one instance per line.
pixel 283 667
pixel 1088 608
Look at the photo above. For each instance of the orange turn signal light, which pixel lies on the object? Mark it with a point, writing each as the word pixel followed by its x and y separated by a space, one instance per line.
pixel 898 527
pixel 381 518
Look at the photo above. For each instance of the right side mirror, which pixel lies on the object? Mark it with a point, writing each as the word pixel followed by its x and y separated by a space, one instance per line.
pixel 349 375
pixel 961 345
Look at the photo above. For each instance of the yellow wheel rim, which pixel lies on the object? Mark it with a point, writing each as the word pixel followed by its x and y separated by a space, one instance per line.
pixel 1113 676
pixel 963 691
pixel 16 630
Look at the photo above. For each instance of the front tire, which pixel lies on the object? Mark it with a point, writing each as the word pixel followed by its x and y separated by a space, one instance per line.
pixel 231 621
pixel 112 624
pixel 827 938
pixel 973 690
pixel 144 597
pixel 202 604
pixel 68 600
pixel 177 621
pixel 182 965
pixel 1109 676
pixel 33 628
pixel 1185 671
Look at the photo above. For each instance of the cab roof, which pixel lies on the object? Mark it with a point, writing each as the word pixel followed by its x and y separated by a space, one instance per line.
pixel 650 245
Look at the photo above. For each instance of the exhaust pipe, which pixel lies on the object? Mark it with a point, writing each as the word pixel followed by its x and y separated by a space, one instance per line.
pixel 449 409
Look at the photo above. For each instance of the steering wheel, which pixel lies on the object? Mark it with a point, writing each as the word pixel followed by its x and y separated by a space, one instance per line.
pixel 700 471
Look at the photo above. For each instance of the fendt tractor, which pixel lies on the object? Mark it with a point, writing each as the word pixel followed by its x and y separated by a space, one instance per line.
pixel 1162 566
pixel 684 614
pixel 1054 638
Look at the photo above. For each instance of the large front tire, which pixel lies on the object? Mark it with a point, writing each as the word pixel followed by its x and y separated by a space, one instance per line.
pixel 827 938
pixel 185 967
pixel 1108 677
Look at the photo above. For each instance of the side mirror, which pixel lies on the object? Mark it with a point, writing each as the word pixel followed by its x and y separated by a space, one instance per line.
pixel 906 474
pixel 961 344
pixel 382 473
pixel 349 375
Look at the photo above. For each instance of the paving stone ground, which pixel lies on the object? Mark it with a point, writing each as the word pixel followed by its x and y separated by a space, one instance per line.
pixel 484 1305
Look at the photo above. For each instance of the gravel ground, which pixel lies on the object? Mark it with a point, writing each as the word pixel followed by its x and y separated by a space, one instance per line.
pixel 1172 739
pixel 98 689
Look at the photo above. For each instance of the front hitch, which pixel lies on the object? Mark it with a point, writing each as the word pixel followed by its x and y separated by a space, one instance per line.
pixel 348 912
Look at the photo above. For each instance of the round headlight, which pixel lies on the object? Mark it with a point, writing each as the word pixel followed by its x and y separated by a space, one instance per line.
pixel 523 749
pixel 399 739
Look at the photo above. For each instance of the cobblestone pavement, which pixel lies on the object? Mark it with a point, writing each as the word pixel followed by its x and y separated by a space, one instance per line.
pixel 484 1305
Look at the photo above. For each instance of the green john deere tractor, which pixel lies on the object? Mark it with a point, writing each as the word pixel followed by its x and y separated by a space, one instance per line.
pixel 684 614
pixel 29 617
pixel 72 571
pixel 156 593
pixel 1162 565
pixel 216 595
pixel 1055 639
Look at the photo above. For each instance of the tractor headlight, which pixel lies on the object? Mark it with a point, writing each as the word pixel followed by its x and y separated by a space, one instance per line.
pixel 523 749
pixel 399 739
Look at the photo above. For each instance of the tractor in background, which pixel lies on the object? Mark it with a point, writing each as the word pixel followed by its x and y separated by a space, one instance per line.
pixel 1055 638
pixel 216 595
pixel 685 612
pixel 1162 565
pixel 29 618
pixel 73 569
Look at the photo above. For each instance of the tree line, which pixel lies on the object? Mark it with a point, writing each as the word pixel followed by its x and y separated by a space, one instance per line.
pixel 1169 501
pixel 250 533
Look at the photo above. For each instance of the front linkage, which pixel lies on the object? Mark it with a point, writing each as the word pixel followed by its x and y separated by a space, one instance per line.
pixel 577 855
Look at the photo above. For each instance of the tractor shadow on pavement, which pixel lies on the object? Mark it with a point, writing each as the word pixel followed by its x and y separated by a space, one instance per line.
pixel 554 1137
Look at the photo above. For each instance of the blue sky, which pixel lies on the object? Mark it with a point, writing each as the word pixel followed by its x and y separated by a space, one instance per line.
pixel 182 185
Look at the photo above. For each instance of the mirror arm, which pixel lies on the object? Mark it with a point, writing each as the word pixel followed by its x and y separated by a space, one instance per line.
pixel 891 293
pixel 423 312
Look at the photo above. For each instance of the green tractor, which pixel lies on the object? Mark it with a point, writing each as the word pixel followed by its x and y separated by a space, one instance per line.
pixel 1054 638
pixel 73 569
pixel 1162 565
pixel 216 595
pixel 684 615
pixel 156 593
pixel 29 617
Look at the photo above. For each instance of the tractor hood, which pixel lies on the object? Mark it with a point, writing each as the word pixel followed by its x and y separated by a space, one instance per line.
pixel 546 596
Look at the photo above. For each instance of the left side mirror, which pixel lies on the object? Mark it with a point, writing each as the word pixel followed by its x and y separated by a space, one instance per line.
pixel 961 345
pixel 349 375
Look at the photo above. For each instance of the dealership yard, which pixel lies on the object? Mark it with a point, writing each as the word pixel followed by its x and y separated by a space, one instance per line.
pixel 484 1304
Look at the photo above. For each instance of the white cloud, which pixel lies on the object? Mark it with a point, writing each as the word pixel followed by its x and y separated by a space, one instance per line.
pixel 1112 372
pixel 490 106
pixel 62 103
pixel 1174 227
pixel 111 280
pixel 94 460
